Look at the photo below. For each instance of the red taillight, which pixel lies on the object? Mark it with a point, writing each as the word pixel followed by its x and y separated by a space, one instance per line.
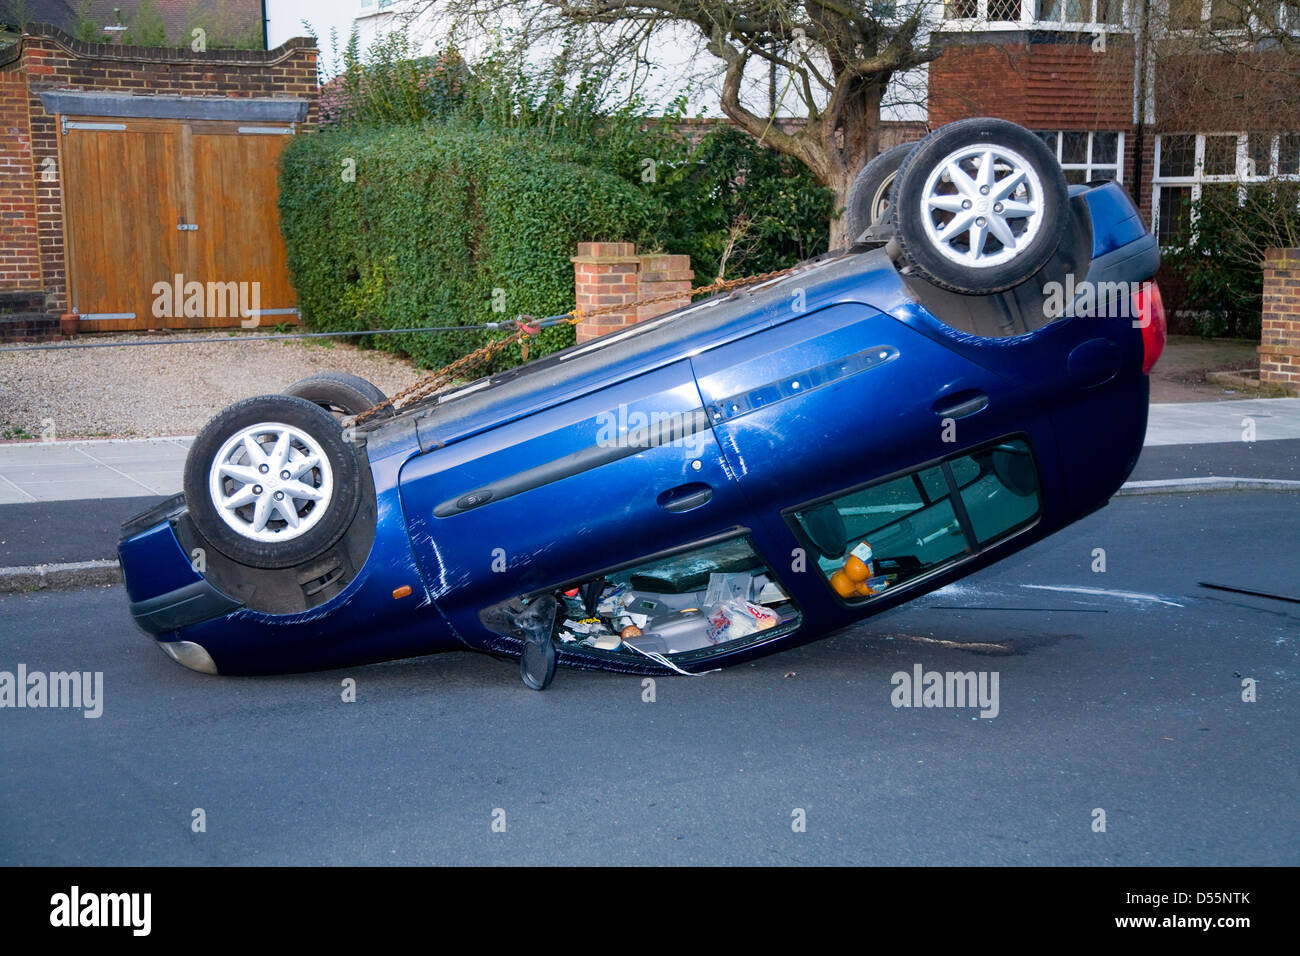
pixel 1149 310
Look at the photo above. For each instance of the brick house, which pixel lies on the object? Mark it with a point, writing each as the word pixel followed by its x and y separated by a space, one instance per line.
pixel 226 22
pixel 123 167
pixel 1120 89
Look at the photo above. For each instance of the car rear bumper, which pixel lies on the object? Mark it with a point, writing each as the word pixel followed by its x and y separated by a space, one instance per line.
pixel 181 607
pixel 166 593
pixel 166 590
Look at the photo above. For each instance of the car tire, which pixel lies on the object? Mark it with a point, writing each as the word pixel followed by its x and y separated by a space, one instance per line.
pixel 869 196
pixel 957 231
pixel 238 465
pixel 340 393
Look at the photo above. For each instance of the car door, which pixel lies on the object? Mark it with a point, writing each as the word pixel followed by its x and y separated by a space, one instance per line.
pixel 626 471
pixel 836 398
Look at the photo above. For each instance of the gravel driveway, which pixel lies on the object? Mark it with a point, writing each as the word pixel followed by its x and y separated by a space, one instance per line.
pixel 165 389
pixel 174 389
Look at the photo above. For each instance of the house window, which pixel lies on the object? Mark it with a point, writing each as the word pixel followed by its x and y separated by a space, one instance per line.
pixel 1188 164
pixel 1233 15
pixel 1220 156
pixel 1185 14
pixel 1288 149
pixel 1177 155
pixel 995 10
pixel 1174 215
pixel 1004 9
pixel 1081 11
pixel 1086 156
pixel 1229 14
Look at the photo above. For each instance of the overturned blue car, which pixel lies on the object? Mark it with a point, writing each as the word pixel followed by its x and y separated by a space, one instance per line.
pixel 741 476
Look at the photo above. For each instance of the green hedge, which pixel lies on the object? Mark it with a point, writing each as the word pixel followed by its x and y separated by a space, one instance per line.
pixel 437 218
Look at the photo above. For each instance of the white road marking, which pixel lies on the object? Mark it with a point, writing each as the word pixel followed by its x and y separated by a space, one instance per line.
pixel 1104 592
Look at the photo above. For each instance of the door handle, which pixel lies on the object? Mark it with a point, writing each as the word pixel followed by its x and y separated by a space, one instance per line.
pixel 685 497
pixel 960 405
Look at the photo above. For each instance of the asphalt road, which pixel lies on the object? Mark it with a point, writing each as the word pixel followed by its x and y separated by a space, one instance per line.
pixel 1128 701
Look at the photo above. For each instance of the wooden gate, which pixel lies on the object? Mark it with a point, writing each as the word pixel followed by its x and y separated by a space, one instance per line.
pixel 173 223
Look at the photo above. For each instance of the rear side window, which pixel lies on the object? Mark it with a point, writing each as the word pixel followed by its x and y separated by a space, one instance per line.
pixel 875 539
pixel 685 605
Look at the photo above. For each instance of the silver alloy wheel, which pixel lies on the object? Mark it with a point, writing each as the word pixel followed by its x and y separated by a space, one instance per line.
pixel 982 205
pixel 270 482
pixel 880 201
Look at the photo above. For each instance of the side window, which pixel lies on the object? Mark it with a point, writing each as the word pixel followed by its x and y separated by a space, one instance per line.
pixel 692 602
pixel 1003 494
pixel 868 541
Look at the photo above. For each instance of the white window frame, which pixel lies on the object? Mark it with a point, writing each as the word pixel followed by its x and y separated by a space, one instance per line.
pixel 1092 25
pixel 981 19
pixel 1089 167
pixel 1241 175
pixel 1281 12
pixel 1030 18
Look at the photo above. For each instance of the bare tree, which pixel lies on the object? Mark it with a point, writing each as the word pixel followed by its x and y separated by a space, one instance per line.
pixel 1237 68
pixel 835 60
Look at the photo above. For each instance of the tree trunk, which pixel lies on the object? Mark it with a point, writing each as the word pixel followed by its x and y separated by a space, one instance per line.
pixel 839 228
pixel 834 145
pixel 852 139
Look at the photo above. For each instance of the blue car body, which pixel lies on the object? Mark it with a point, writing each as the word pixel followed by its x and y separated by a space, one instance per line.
pixel 733 420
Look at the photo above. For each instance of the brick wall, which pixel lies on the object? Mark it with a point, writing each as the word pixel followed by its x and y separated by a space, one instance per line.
pixel 20 259
pixel 1206 93
pixel 612 275
pixel 1061 84
pixel 1279 351
pixel 49 59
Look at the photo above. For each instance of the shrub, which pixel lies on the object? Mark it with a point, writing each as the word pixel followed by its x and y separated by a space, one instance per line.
pixel 1222 260
pixel 742 208
pixel 477 177
pixel 437 219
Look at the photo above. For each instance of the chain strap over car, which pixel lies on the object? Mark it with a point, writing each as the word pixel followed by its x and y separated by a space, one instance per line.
pixel 527 327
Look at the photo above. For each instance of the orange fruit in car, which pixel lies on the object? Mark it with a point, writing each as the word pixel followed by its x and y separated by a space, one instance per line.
pixel 856 569
pixel 863 590
pixel 843 586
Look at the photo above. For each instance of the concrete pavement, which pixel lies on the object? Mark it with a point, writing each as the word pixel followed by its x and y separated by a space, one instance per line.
pixel 1198 423
pixel 76 470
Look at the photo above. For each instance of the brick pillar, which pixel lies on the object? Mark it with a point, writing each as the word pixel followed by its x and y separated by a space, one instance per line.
pixel 1279 350
pixel 612 274
pixel 661 274
pixel 605 274
pixel 20 251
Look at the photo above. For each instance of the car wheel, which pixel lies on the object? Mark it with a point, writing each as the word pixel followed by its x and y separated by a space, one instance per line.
pixel 980 205
pixel 270 481
pixel 340 393
pixel 869 196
